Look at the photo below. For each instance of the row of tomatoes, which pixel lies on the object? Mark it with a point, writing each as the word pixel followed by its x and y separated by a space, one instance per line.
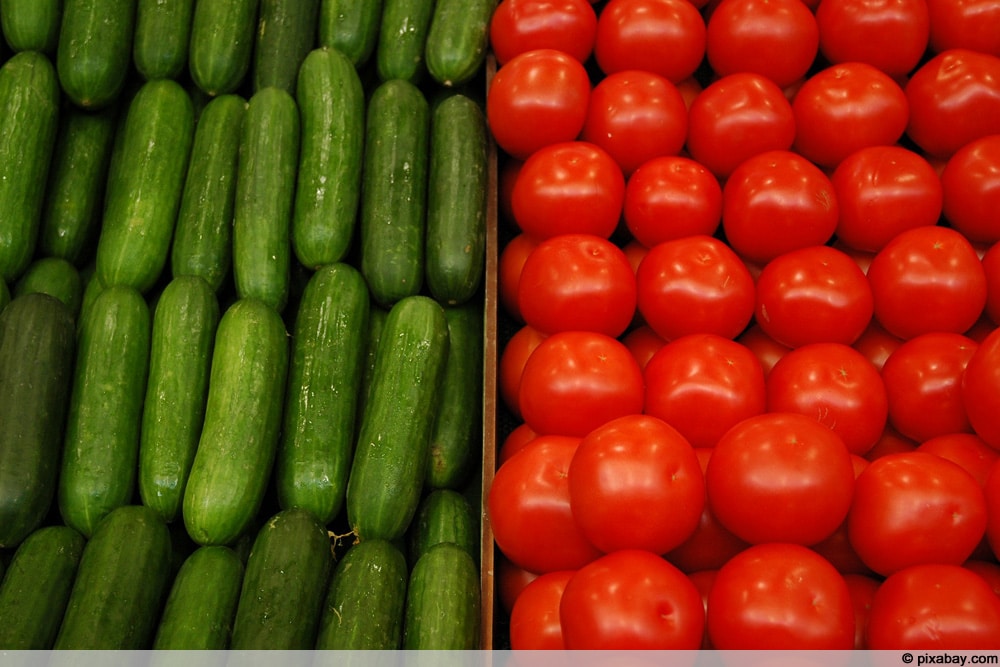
pixel 753 271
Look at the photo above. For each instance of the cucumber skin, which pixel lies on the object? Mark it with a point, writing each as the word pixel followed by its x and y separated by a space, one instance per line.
pixel 350 26
pixel 31 25
pixel 94 52
pixel 444 515
pixel 402 39
pixel 162 37
pixel 286 33
pixel 443 601
pixel 53 276
pixel 221 43
pixel 457 40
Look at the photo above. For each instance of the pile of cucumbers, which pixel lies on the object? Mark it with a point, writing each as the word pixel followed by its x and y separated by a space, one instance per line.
pixel 242 265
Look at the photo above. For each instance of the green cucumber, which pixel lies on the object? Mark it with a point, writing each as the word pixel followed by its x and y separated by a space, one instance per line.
pixel 286 579
pixel 402 39
pixel 394 191
pixel 162 37
pixel 376 322
pixel 145 195
pixel 443 601
pixel 390 458
pixel 202 243
pixel 31 25
pixel 92 287
pixel 29 107
pixel 36 588
pixel 350 26
pixel 54 276
pixel 331 101
pixel 184 323
pixel 457 40
pixel 444 515
pixel 120 584
pixel 286 33
pixel 199 611
pixel 37 344
pixel 221 42
pixel 4 294
pixel 101 446
pixel 239 437
pixel 324 376
pixel 364 604
pixel 94 52
pixel 265 194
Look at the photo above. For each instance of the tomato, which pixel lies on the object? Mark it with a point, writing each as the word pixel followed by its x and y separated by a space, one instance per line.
pixel 862 589
pixel 670 197
pixel 991 490
pixel 988 570
pixel 570 187
pixel 574 381
pixel 991 266
pixel 780 596
pixel 515 441
pixel 702 384
pixel 536 99
pixel 965 449
pixel 631 599
pixel 847 107
pixel 966 24
pixel 934 607
pixel 883 191
pixel 695 284
pixel 666 37
pixel 509 266
pixel 511 580
pixel 876 344
pixel 534 618
pixel 912 508
pixel 736 117
pixel 836 385
pixel 510 366
pixel 643 343
pixel 815 294
pixel 891 442
pixel 981 390
pixel 935 267
pixel 518 26
pixel 507 171
pixel 635 483
pixel 971 189
pixel 703 581
pixel 775 202
pixel 890 35
pixel 767 350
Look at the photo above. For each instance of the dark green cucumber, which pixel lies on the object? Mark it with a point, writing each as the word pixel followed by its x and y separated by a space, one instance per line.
pixel 162 37
pixel 29 107
pixel 324 376
pixel 199 611
pixel 53 276
pixel 265 194
pixel 457 40
pixel 31 25
pixel 145 194
pixel 443 601
pixel 37 344
pixel 285 583
pixel 101 446
pixel 120 584
pixel 394 191
pixel 202 243
pixel 184 323
pixel 331 102
pixel 94 52
pixel 402 39
pixel 376 322
pixel 92 287
pixel 364 605
pixel 351 27
pixel 221 43
pixel 239 436
pixel 390 458
pixel 286 33
pixel 36 588
pixel 4 294
pixel 444 515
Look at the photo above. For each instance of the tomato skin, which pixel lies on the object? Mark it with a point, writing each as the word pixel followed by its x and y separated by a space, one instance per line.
pixel 534 618
pixel 510 366
pixel 991 266
pixel 891 36
pixel 991 490
pixel 671 197
pixel 511 580
pixel 509 265
pixel 967 25
pixel 891 442
pixel 643 343
pixel 981 389
pixel 965 449
pixel 514 441
pixel 767 350
pixel 971 189
pixel 876 344
pixel 862 589
pixel 518 26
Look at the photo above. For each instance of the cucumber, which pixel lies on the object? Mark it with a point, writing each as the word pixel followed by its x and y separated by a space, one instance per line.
pixel 101 445
pixel 92 287
pixel 53 276
pixel 36 588
pixel 4 294
pixel 402 39
pixel 31 25
pixel 94 52
pixel 332 106
pixel 202 244
pixel 145 194
pixel 162 37
pixel 284 586
pixel 37 344
pixel 199 611
pixel 457 40
pixel 184 323
pixel 376 322
pixel 239 437
pixel 443 601
pixel 444 515
pixel 390 458
pixel 321 399
pixel 364 604
pixel 394 191
pixel 120 584
pixel 351 27
pixel 221 42
pixel 29 107
pixel 286 33
pixel 265 193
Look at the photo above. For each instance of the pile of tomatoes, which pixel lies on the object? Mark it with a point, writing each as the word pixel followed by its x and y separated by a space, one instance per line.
pixel 752 262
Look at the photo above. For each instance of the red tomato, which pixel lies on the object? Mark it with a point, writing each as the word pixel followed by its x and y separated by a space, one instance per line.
pixel 671 197
pixel 643 343
pixel 862 589
pixel 891 36
pixel 964 24
pixel 703 581
pixel 988 570
pixel 891 442
pixel 780 596
pixel 570 187
pixel 991 490
pixel 767 350
pixel 876 344
pixel 536 99
pixel 515 441
pixel 971 188
pixel 695 284
pixel 635 252
pixel 965 449
pixel 934 607
pixel 775 202
pixel 509 266
pixel 631 599
pixel 534 618
pixel 702 384
pixel 511 580
pixel 635 483
pixel 847 107
pixel 518 26
pixel 991 265
pixel 506 177
pixel 510 366
pixel 981 390
pixel 913 508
